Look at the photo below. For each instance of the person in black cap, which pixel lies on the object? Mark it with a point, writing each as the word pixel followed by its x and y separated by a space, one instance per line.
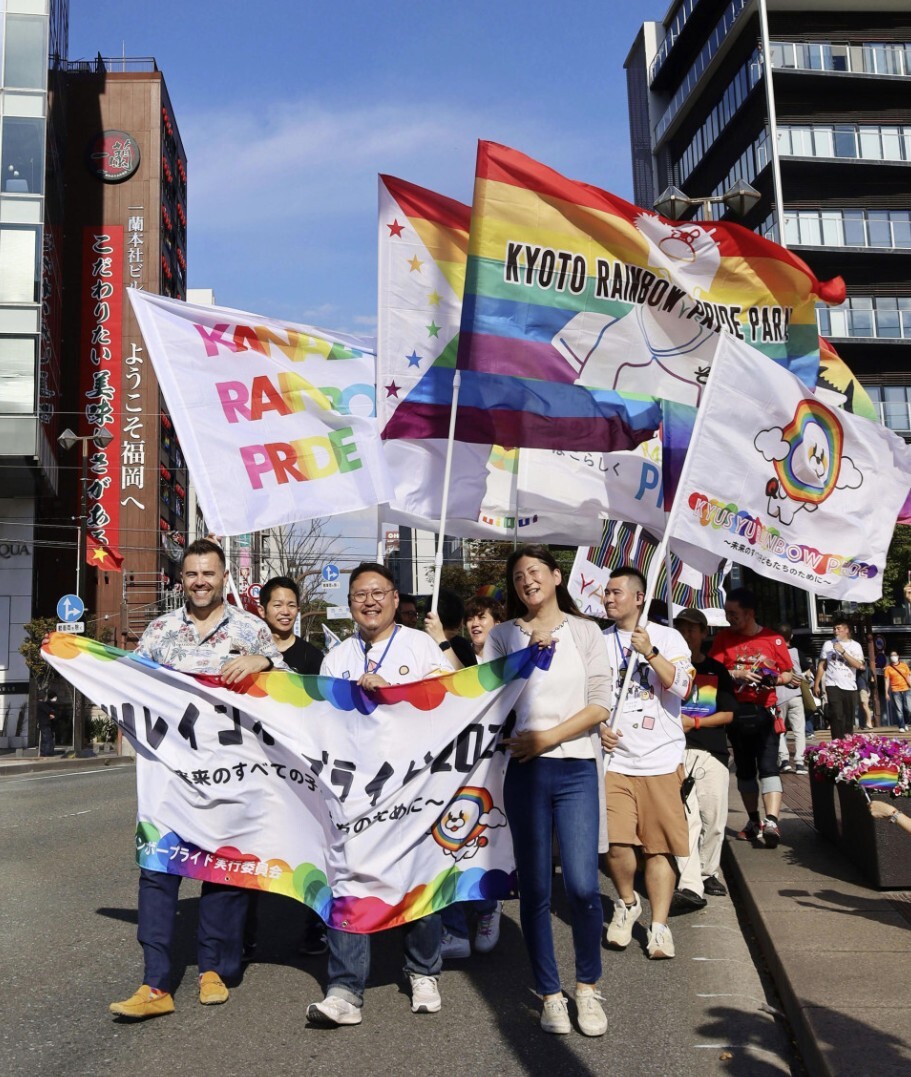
pixel 708 710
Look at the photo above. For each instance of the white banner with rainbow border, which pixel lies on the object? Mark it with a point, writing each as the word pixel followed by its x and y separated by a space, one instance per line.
pixel 372 809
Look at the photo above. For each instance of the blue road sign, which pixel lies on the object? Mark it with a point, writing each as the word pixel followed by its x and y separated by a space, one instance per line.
pixel 331 573
pixel 70 608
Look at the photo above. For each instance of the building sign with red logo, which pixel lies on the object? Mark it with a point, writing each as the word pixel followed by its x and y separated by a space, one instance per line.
pixel 100 362
pixel 113 156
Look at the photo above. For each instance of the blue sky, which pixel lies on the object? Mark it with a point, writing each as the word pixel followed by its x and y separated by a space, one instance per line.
pixel 289 110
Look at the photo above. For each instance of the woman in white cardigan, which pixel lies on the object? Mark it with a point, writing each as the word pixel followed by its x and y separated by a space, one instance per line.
pixel 554 777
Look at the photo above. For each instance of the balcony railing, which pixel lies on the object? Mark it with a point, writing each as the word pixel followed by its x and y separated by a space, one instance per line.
pixel 872 59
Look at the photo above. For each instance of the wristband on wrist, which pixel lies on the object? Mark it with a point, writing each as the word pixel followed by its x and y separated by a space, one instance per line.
pixel 696 721
pixel 445 645
pixel 271 664
pixel 653 653
pixel 893 818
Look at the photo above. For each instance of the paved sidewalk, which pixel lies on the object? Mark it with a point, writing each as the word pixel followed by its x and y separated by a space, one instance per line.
pixel 837 949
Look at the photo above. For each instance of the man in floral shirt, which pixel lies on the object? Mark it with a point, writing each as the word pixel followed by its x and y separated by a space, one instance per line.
pixel 206 635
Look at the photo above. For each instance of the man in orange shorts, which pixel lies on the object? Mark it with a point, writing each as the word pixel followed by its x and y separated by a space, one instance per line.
pixel 645 812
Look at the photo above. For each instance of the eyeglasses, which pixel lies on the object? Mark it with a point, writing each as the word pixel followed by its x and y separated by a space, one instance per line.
pixel 360 597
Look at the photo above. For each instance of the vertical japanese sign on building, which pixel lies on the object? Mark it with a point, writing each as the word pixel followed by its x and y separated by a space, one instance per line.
pixel 101 373
pixel 132 444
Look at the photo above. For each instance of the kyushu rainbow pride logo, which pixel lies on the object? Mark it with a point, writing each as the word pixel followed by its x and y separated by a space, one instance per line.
pixel 809 472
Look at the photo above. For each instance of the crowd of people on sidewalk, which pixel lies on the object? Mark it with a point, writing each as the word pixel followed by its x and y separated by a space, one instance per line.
pixel 618 758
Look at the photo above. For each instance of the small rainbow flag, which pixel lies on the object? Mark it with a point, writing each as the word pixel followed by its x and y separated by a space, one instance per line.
pixel 879 778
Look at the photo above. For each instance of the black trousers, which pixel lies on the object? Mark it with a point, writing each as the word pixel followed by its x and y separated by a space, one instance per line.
pixel 842 706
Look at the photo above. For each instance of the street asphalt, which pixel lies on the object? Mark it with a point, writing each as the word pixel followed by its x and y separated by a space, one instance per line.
pixel 68 948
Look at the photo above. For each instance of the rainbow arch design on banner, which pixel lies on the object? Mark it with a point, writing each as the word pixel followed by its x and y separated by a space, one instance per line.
pixel 299 691
pixel 814 429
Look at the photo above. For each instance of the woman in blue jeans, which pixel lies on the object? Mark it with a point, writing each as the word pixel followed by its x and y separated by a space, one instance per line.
pixel 554 777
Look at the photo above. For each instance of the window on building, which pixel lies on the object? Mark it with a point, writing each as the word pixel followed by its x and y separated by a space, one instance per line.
pixel 22 156
pixel 18 362
pixel 25 52
pixel 19 265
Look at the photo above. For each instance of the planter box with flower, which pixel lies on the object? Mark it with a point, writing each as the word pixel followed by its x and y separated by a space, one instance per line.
pixel 858 767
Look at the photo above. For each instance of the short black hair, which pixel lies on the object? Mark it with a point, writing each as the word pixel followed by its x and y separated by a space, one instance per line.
pixel 450 609
pixel 405 599
pixel 474 607
pixel 370 566
pixel 787 632
pixel 273 585
pixel 744 598
pixel 51 696
pixel 843 621
pixel 200 548
pixel 629 570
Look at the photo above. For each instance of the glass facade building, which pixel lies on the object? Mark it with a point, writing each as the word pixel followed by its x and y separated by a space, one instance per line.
pixel 818 121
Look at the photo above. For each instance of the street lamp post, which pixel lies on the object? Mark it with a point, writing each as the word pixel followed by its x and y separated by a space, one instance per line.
pixel 739 198
pixel 67 441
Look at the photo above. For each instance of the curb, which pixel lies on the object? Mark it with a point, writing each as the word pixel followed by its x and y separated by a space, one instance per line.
pixel 813 1059
pixel 11 766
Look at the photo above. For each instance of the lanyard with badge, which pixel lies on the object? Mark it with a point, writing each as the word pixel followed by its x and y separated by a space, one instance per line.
pixel 366 649
pixel 638 693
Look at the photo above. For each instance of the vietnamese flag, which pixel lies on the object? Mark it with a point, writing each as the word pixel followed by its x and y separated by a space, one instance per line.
pixel 104 557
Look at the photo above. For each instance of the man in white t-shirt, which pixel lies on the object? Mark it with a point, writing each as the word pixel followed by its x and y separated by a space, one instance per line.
pixel 644 773
pixel 839 661
pixel 380 653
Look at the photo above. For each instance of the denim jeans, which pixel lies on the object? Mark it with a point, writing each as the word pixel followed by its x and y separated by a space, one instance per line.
pixel 219 940
pixel 349 956
pixel 902 707
pixel 455 916
pixel 540 796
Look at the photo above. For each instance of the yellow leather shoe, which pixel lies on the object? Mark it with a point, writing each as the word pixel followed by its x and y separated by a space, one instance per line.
pixel 212 990
pixel 145 1003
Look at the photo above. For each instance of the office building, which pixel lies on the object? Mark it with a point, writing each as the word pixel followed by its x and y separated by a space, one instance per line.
pixel 809 102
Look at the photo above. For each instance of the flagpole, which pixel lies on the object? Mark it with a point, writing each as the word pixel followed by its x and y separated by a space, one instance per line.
pixel 663 546
pixel 380 545
pixel 447 475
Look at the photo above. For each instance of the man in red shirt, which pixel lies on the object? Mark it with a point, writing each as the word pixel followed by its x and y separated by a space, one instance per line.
pixel 758 660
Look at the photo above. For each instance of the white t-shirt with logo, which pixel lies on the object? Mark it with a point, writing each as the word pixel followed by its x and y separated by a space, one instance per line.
pixel 838 673
pixel 653 740
pixel 405 656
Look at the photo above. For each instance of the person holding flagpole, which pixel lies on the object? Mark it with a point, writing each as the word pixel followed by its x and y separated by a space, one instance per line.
pixel 644 772
pixel 553 778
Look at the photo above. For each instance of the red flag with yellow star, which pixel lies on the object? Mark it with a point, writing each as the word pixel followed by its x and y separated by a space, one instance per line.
pixel 104 557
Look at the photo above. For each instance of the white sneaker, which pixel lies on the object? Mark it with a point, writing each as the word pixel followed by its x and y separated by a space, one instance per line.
pixel 488 934
pixel 555 1016
pixel 620 929
pixel 425 995
pixel 454 946
pixel 334 1010
pixel 589 1013
pixel 660 943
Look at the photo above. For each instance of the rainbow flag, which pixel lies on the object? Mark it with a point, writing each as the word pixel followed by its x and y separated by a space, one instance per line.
pixel 837 385
pixel 423 251
pixel 879 778
pixel 569 287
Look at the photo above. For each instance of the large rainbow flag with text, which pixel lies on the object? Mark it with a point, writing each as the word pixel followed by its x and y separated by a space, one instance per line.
pixel 575 298
pixel 373 809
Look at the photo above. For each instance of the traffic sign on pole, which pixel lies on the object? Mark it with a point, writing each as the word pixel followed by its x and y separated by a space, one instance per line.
pixel 331 573
pixel 70 608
